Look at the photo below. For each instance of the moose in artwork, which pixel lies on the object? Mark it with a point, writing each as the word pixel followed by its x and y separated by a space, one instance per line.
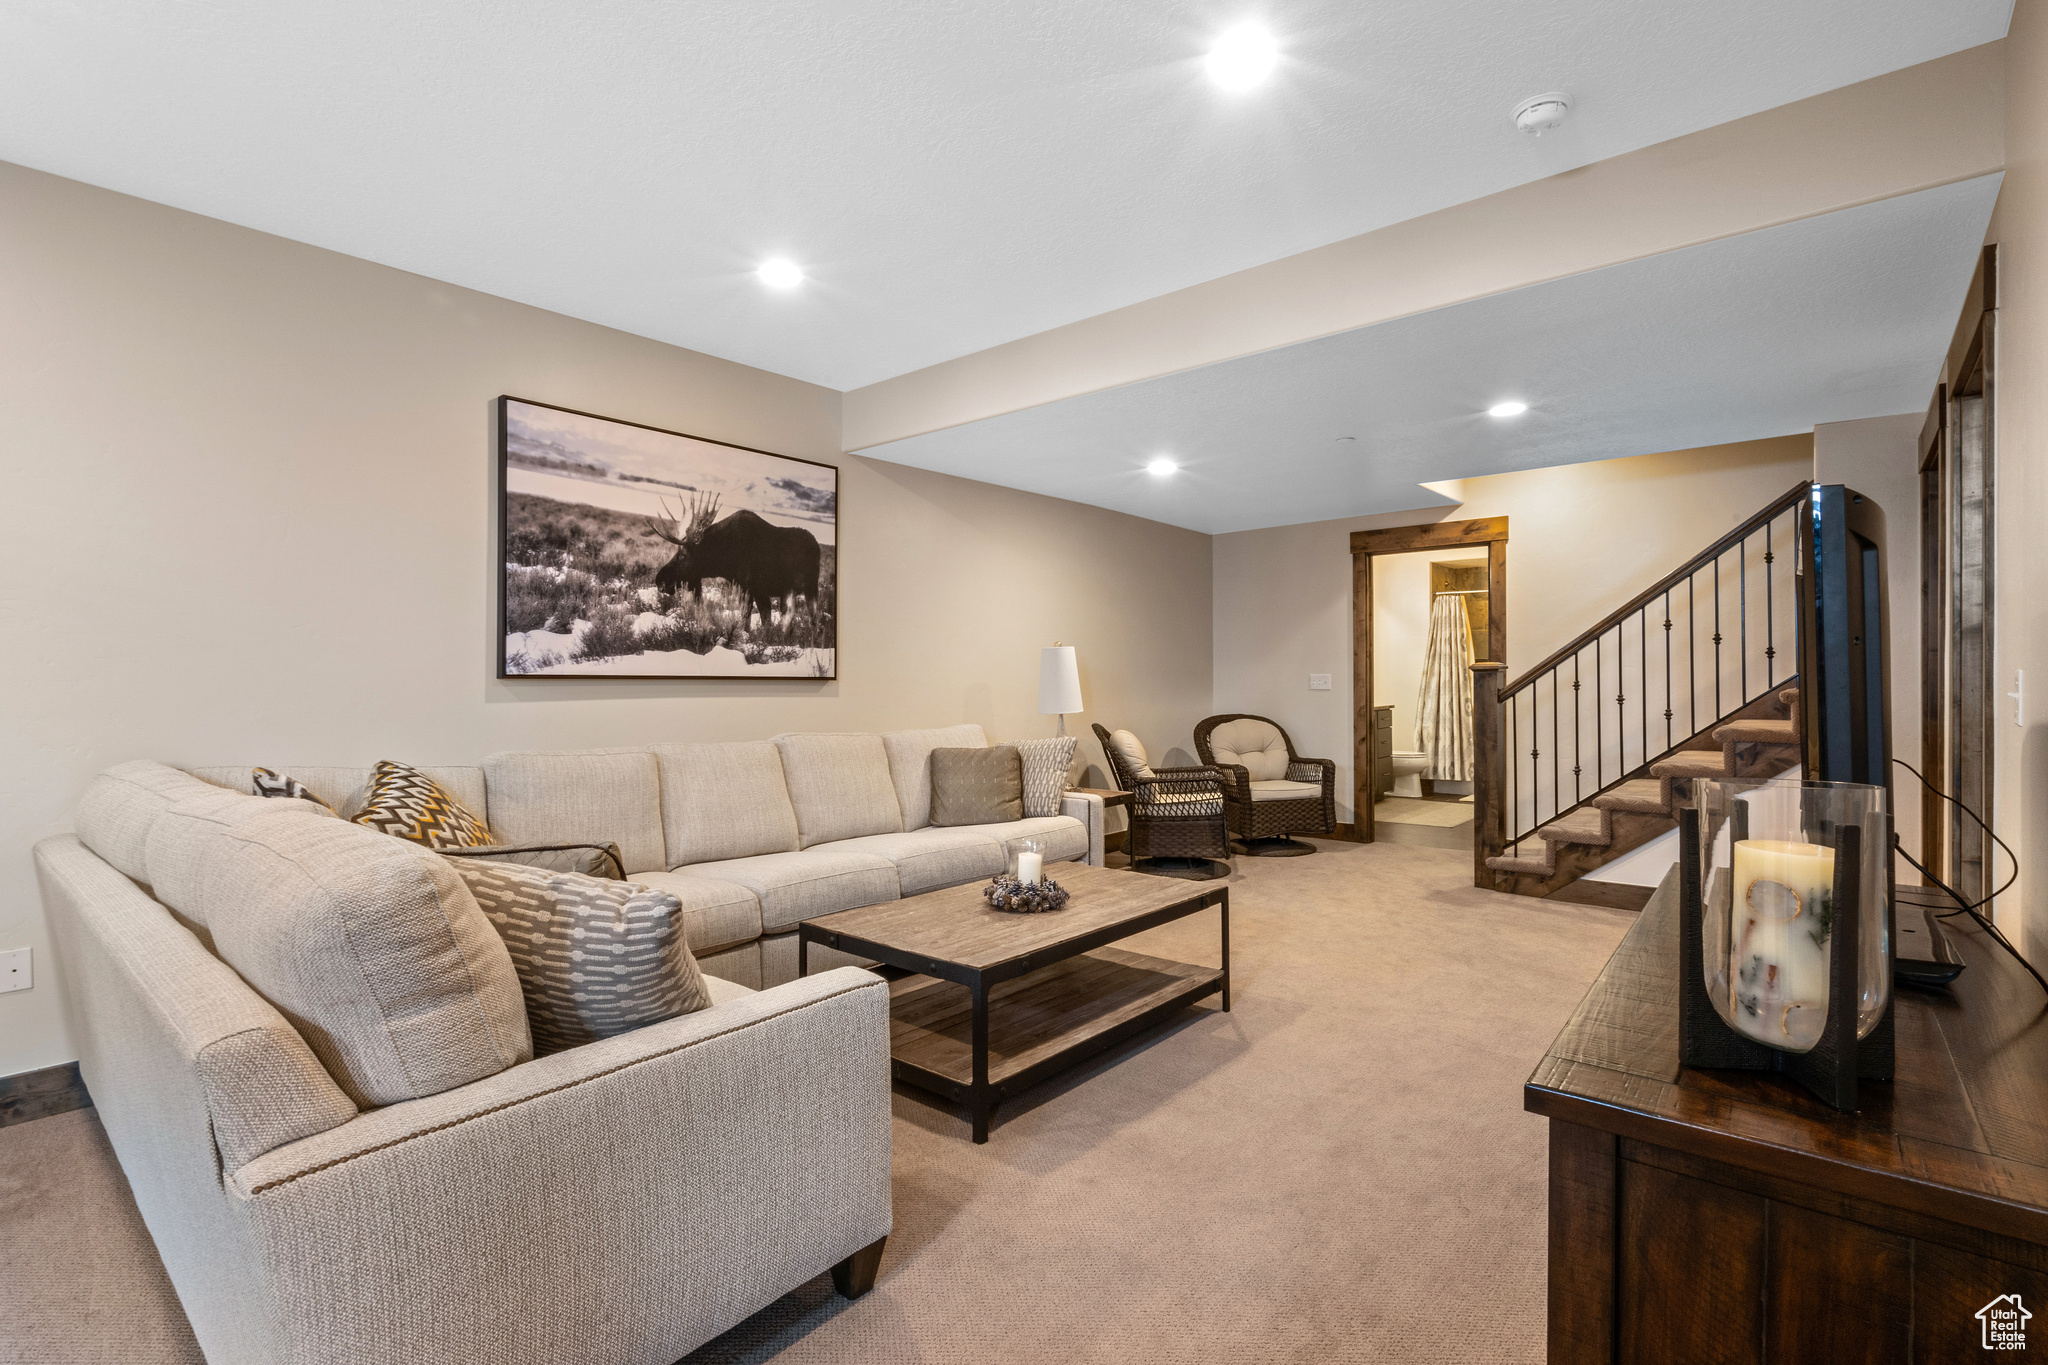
pixel 773 565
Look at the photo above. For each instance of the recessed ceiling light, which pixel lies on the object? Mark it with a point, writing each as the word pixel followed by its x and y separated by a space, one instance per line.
pixel 780 274
pixel 1242 57
pixel 1161 467
pixel 1511 408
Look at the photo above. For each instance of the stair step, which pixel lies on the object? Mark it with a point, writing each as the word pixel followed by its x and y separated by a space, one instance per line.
pixel 1790 697
pixel 1691 763
pixel 1526 863
pixel 1585 826
pixel 1759 732
pixel 1644 795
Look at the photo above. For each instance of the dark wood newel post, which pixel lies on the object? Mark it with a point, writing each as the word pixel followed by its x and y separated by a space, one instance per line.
pixel 1487 813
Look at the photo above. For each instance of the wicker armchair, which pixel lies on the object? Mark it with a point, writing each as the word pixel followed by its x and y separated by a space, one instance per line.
pixel 1270 791
pixel 1175 812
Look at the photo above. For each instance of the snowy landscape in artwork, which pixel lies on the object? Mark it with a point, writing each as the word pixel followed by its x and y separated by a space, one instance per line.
pixel 645 553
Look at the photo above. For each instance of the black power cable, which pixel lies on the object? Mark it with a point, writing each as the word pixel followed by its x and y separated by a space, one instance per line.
pixel 1971 908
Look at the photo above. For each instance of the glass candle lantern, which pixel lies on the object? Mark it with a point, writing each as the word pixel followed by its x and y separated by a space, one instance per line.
pixel 1027 861
pixel 1769 885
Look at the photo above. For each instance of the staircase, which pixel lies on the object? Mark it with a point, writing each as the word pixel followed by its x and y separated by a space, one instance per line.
pixel 1586 756
pixel 1635 810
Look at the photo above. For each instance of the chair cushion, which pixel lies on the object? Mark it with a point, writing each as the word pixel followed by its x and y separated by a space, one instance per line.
pixel 122 804
pixel 1062 836
pixel 406 803
pixel 977 786
pixel 1283 790
pixel 595 958
pixel 793 887
pixel 372 947
pixel 839 786
pixel 910 767
pixel 1046 764
pixel 593 796
pixel 1253 744
pixel 716 914
pixel 722 801
pixel 1132 752
pixel 927 859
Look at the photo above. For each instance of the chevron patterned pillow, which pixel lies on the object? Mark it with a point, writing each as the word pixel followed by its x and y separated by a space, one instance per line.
pixel 264 782
pixel 406 802
pixel 1045 772
pixel 594 957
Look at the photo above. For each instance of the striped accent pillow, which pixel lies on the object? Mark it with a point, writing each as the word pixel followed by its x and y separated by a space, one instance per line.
pixel 406 802
pixel 595 958
pixel 1046 762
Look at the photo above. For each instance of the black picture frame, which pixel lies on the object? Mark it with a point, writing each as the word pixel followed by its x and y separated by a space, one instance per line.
pixel 577 531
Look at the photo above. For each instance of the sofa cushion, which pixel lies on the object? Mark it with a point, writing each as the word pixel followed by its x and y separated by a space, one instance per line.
pixel 1046 765
pixel 598 796
pixel 595 958
pixel 1255 745
pixel 793 887
pixel 977 786
pixel 1064 838
pixel 910 767
pixel 927 859
pixel 122 804
pixel 840 787
pixel 371 946
pixel 345 789
pixel 1280 789
pixel 716 914
pixel 178 863
pixel 723 991
pixel 721 801
pixel 406 803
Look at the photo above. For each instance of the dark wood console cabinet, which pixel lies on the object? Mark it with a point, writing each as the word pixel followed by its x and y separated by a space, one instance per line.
pixel 1701 1216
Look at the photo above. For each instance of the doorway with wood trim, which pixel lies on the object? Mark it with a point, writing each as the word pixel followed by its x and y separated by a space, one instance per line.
pixel 1371 740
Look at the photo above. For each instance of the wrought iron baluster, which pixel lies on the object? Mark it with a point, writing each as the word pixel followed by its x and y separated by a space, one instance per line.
pixel 1692 651
pixel 1620 698
pixel 1556 791
pixel 1718 713
pixel 1643 682
pixel 1515 783
pixel 1667 670
pixel 1770 642
pixel 1576 797
pixel 1599 739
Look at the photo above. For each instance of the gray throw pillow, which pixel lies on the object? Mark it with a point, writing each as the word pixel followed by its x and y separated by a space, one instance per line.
pixel 977 786
pixel 595 958
pixel 1046 762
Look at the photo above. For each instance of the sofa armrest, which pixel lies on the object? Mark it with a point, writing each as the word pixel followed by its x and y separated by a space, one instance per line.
pixel 1087 808
pixel 698 1169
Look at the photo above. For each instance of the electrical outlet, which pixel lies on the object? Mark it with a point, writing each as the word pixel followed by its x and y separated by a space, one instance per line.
pixel 16 972
pixel 1318 682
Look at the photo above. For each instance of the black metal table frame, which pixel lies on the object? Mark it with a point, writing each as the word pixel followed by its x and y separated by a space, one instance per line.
pixel 979 1096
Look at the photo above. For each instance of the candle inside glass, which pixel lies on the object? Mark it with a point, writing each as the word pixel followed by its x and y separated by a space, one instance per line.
pixel 1778 957
pixel 1030 867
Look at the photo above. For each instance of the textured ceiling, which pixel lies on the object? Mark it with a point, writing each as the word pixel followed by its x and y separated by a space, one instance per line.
pixel 1827 319
pixel 953 175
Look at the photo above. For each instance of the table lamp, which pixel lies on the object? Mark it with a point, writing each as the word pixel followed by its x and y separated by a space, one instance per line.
pixel 1059 682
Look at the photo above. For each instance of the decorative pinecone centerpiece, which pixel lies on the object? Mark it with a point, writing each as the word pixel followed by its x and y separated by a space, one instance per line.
pixel 1024 898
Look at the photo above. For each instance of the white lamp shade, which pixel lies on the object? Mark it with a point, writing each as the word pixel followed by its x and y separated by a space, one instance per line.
pixel 1059 681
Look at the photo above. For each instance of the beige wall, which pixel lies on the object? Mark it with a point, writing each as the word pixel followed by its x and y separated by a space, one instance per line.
pixel 1400 631
pixel 249 522
pixel 1583 539
pixel 2020 227
pixel 1880 458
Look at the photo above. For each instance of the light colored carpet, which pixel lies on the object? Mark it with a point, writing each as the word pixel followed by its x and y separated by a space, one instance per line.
pixel 1408 810
pixel 1337 1170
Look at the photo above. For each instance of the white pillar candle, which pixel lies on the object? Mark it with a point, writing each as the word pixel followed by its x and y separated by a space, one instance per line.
pixel 1030 866
pixel 1778 956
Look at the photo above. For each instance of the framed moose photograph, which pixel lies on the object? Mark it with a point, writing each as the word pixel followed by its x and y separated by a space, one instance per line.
pixel 626 550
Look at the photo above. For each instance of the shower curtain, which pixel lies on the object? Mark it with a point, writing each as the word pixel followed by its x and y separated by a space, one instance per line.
pixel 1443 726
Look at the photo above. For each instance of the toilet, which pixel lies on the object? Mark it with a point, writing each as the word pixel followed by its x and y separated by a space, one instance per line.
pixel 1408 771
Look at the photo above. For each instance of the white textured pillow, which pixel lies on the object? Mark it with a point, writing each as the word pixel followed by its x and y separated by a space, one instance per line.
pixel 1046 764
pixel 594 957
pixel 371 946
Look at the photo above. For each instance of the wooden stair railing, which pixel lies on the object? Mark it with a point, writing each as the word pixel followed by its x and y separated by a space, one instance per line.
pixel 1550 742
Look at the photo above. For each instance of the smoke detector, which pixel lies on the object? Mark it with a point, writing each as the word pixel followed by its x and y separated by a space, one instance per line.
pixel 1539 114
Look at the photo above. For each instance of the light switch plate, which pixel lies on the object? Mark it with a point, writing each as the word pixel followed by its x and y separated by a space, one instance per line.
pixel 16 971
pixel 1318 682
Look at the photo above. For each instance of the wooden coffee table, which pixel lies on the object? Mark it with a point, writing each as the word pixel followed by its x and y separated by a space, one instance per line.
pixel 996 1002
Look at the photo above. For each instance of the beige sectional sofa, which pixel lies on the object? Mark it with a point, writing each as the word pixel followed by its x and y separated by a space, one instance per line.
pixel 620 1202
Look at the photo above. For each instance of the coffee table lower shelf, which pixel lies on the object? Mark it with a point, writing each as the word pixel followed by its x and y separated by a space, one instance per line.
pixel 1039 1024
